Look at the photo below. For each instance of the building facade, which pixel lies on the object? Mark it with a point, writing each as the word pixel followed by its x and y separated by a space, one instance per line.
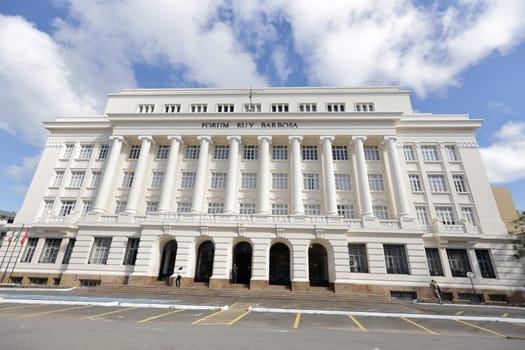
pixel 343 188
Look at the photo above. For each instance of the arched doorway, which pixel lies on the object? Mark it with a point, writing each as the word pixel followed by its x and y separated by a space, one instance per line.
pixel 242 257
pixel 279 264
pixel 204 264
pixel 167 264
pixel 318 265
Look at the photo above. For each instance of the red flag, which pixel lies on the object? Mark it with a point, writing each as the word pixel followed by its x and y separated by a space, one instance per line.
pixel 24 237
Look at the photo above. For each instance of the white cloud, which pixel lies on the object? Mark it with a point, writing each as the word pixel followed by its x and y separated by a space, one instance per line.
pixel 22 173
pixel 280 63
pixel 503 159
pixel 500 107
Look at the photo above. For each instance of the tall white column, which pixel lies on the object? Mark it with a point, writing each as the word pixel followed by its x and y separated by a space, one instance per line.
pixel 170 174
pixel 296 188
pixel 233 170
pixel 362 177
pixel 202 167
pixel 138 177
pixel 263 176
pixel 329 176
pixel 399 187
pixel 109 175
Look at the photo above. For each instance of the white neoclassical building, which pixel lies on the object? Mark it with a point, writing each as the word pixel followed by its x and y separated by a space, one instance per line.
pixel 343 188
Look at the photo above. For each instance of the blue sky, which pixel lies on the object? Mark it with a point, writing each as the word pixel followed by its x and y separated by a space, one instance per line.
pixel 61 57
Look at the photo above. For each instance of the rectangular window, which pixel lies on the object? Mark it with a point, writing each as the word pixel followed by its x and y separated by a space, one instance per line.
pixel 187 180
pixel 422 218
pixel 429 153
pixel 309 152
pixel 225 108
pixel 307 107
pixel 375 182
pixel 183 207
pixel 340 152
pixel 103 151
pixel 445 215
pixel 279 107
pixel 459 183
pixel 371 152
pixel 192 151
pixel 249 181
pixel 218 180
pixel 172 108
pixel 30 250
pixel 451 153
pixel 69 251
pixel 87 206
pixel 95 179
pixel 247 208
pixel 163 152
pixel 77 178
pixel 279 181
pixel 100 251
pixel 198 108
pixel 346 211
pixel 156 179
pixel 66 208
pixel 395 259
pixel 312 209
pixel 357 257
pixel 145 108
pixel 485 263
pixel 415 183
pixel 279 209
pixel 364 107
pixel 50 252
pixel 437 183
pixel 68 151
pixel 408 151
pixel 434 262
pixel 468 214
pixel 127 181
pixel 221 152
pixel 48 205
pixel 152 207
pixel 252 107
pixel 335 107
pixel 311 182
pixel 380 212
pixel 343 182
pixel 250 152
pixel 458 261
pixel 85 152
pixel 215 208
pixel 59 177
pixel 120 207
pixel 279 152
pixel 132 248
pixel 134 152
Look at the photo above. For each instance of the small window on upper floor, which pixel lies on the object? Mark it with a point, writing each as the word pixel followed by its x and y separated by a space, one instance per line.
pixel 172 108
pixel 145 108
pixel 163 151
pixel 134 152
pixel 103 151
pixel 279 107
pixel 364 107
pixel 371 152
pixel 335 107
pixel 225 108
pixel 85 152
pixel 307 107
pixel 252 107
pixel 68 151
pixel 451 153
pixel 199 108
pixel 430 153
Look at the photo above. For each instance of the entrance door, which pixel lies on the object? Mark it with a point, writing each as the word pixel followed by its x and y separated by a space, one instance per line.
pixel 204 268
pixel 167 265
pixel 242 257
pixel 280 264
pixel 318 265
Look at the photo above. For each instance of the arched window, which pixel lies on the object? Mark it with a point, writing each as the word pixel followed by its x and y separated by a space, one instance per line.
pixel 279 264
pixel 204 268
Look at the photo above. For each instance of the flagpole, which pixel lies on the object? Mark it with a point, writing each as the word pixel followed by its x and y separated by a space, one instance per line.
pixel 18 255
pixel 7 249
pixel 12 252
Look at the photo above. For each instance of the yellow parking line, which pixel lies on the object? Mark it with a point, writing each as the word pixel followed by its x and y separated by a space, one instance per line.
pixel 297 320
pixel 21 307
pixel 238 318
pixel 459 313
pixel 108 313
pixel 419 326
pixel 481 328
pixel 158 316
pixel 505 314
pixel 205 318
pixel 54 311
pixel 357 323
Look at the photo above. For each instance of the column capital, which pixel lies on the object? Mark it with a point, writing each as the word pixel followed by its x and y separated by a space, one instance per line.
pixel 117 138
pixel 204 138
pixel 233 138
pixel 358 138
pixel 391 138
pixel 293 138
pixel 327 138
pixel 146 138
pixel 264 138
pixel 175 138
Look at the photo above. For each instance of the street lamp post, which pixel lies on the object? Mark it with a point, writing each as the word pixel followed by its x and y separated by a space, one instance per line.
pixel 470 275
